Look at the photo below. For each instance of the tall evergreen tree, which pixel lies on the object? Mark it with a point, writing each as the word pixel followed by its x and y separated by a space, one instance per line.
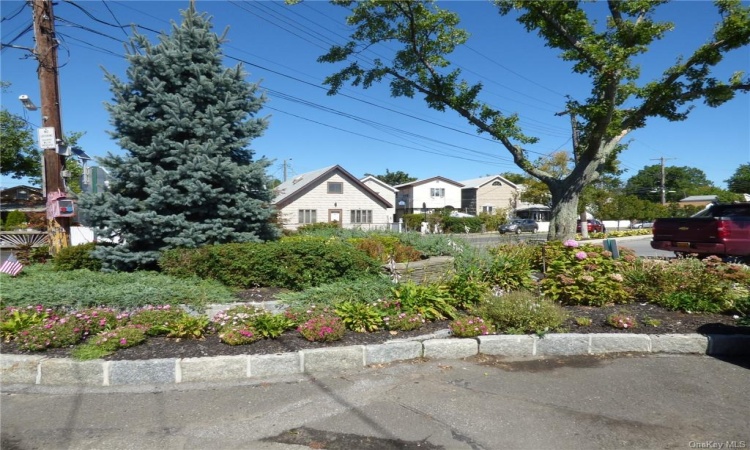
pixel 188 177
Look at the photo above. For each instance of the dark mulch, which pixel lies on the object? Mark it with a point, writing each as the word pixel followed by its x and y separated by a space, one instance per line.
pixel 160 347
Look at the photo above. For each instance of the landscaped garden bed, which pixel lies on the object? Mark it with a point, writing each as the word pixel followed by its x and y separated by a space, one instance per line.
pixel 336 297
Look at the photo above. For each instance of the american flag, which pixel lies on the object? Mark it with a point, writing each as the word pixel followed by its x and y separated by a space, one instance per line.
pixel 11 266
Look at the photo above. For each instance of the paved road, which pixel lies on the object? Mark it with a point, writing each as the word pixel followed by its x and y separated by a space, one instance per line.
pixel 482 403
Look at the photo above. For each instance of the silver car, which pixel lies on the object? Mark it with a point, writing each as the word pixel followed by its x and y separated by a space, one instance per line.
pixel 519 225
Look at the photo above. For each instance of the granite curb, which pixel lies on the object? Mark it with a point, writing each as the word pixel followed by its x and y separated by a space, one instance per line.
pixel 39 370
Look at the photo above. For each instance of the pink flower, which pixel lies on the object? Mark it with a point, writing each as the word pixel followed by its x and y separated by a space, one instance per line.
pixel 581 255
pixel 572 243
pixel 123 341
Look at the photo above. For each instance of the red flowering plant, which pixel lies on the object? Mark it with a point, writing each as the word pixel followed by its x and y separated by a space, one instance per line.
pixel 323 328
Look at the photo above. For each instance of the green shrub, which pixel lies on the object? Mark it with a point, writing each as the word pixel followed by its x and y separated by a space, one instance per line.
pixel 384 247
pixel 14 320
pixel 459 224
pixel 690 284
pixel 359 317
pixel 468 287
pixel 433 301
pixel 292 263
pixel 16 219
pixel 510 268
pixel 522 312
pixel 237 316
pixel 365 289
pixel 404 321
pixel 119 290
pixel 156 320
pixel 55 332
pixel 185 327
pixel 269 325
pixel 107 342
pixel 77 257
pixel 585 275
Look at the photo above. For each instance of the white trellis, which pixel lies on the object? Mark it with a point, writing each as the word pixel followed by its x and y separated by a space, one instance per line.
pixel 19 239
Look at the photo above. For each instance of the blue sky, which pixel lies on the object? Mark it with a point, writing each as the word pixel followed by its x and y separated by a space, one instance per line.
pixel 367 131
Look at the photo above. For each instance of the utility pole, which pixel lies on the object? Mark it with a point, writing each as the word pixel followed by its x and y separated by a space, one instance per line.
pixel 285 164
pixel 54 163
pixel 663 180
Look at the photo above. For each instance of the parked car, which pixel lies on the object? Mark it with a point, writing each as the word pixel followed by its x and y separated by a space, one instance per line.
pixel 519 225
pixel 640 225
pixel 593 226
pixel 723 229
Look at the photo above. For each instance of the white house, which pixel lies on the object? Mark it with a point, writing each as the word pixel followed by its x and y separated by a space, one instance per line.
pixel 428 195
pixel 330 194
pixel 384 190
pixel 488 194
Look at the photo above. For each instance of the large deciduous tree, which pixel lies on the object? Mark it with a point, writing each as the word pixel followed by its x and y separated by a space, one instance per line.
pixel 394 178
pixel 679 182
pixel 424 35
pixel 20 156
pixel 739 182
pixel 188 177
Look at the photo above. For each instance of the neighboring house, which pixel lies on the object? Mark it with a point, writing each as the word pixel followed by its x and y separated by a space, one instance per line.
pixel 26 199
pixel 330 194
pixel 487 194
pixel 427 195
pixel 698 200
pixel 384 190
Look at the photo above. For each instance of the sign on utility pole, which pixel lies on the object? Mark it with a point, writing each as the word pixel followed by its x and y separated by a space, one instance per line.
pixel 58 223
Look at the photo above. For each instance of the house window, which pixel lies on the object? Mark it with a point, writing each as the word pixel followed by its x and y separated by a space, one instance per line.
pixel 307 216
pixel 488 209
pixel 437 192
pixel 497 183
pixel 361 216
pixel 335 187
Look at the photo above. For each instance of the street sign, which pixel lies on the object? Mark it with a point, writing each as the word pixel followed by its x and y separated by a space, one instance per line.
pixel 47 137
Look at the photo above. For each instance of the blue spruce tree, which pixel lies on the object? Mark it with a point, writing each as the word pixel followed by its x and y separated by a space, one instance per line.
pixel 188 177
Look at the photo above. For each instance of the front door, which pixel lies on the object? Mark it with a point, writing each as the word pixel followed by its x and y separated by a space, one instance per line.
pixel 334 215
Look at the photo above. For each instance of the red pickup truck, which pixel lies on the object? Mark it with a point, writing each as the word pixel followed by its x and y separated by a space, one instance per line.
pixel 722 229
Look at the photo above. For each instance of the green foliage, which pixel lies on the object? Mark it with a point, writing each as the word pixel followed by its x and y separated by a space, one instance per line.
pixel 16 219
pixel 157 320
pixel 583 321
pixel 14 320
pixel 236 316
pixel 510 267
pixel 185 327
pixel 77 257
pixel 739 182
pixel 83 288
pixel 365 289
pixel 394 178
pixel 434 244
pixel 382 247
pixel 607 53
pixel 690 284
pixel 359 317
pixel 293 263
pixel 19 155
pixel 432 301
pixel 459 224
pixel 108 342
pixel 187 176
pixel 318 226
pixel 584 275
pixel 468 287
pixel 492 221
pixel 679 182
pixel 522 312
pixel 470 326
pixel 269 325
pixel 323 328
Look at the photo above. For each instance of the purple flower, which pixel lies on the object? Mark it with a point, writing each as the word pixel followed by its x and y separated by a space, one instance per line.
pixel 572 243
pixel 581 255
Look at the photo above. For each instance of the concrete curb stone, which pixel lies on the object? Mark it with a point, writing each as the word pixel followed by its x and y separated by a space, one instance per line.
pixel 28 370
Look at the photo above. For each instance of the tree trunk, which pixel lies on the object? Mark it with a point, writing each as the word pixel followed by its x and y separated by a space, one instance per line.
pixel 562 226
